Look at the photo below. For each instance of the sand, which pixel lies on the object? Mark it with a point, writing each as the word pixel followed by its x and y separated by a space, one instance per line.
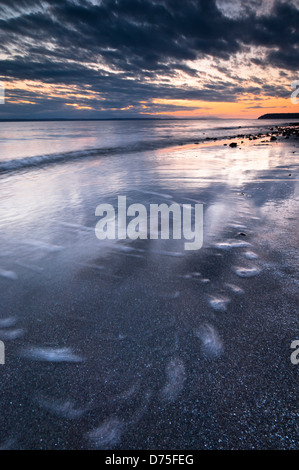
pixel 140 344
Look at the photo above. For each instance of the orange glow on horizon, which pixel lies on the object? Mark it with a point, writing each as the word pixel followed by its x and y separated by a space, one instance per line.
pixel 247 108
pixel 79 98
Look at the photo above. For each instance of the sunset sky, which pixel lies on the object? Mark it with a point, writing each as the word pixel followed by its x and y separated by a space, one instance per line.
pixel 146 58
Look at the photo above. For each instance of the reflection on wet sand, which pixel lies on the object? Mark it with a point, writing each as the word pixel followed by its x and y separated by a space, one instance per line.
pixel 126 336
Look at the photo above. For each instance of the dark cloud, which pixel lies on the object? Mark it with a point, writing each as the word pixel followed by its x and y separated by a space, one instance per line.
pixel 120 47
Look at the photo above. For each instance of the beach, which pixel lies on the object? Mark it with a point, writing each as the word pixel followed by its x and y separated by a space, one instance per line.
pixel 140 344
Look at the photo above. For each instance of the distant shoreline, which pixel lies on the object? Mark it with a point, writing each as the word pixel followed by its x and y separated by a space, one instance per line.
pixel 264 116
pixel 280 116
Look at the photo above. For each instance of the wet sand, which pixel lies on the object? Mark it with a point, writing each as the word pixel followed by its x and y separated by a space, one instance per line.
pixel 142 345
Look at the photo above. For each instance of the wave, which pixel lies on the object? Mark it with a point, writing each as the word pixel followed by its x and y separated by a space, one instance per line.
pixel 8 166
pixel 39 160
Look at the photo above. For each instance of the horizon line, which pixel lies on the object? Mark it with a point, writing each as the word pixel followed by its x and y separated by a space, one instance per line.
pixel 124 119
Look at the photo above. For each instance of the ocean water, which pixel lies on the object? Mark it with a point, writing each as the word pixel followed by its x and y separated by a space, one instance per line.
pixel 26 144
pixel 140 344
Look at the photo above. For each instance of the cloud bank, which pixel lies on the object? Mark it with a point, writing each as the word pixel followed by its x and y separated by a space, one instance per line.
pixel 126 55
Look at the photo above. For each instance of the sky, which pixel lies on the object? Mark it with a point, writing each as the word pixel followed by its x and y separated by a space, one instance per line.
pixel 102 59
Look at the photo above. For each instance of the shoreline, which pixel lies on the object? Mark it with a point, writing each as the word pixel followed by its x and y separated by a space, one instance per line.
pixel 134 344
pixel 275 133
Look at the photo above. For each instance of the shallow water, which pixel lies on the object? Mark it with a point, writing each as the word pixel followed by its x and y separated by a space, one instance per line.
pixel 140 343
pixel 19 140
